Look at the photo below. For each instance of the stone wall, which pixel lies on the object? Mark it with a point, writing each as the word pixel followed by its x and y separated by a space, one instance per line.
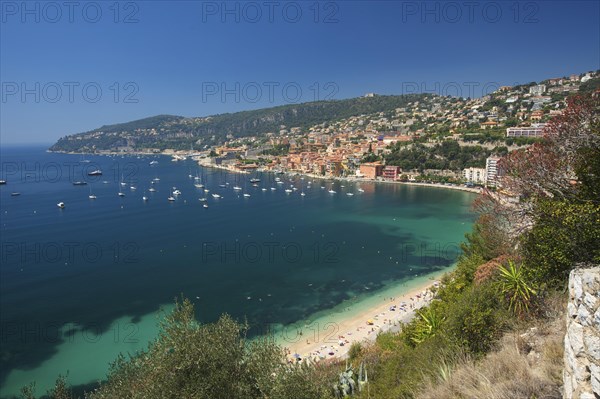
pixel 581 374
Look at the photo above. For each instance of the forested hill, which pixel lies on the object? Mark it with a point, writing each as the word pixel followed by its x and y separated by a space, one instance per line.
pixel 177 132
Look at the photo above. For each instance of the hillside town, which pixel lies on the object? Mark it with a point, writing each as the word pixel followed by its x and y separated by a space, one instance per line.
pixel 360 147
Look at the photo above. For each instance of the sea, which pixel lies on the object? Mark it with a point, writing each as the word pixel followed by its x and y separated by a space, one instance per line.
pixel 83 283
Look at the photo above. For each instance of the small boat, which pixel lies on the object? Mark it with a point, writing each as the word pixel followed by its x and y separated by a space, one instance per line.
pixel 360 190
pixel 237 188
pixel 302 193
pixel 171 199
pixel 91 196
pixel 152 189
pixel 216 196
pixel 2 181
pixel 144 198
pixel 332 192
pixel 279 182
pixel 153 162
pixel 322 187
pixel 123 183
pixel 349 194
pixel 222 185
pixel 202 199
pixel 176 192
pixel 79 183
pixel 255 185
pixel 287 190
pixel 96 172
pixel 15 194
pixel 105 182
pixel 120 194
pixel 273 189
pixel 61 205
pixel 198 185
pixel 205 205
pixel 255 180
pixel 133 188
pixel 156 179
pixel 206 190
pixel 246 195
pixel 263 189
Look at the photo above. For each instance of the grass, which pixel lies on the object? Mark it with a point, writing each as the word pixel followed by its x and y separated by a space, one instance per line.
pixel 527 364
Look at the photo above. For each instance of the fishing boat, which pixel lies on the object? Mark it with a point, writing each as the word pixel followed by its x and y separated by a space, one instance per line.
pixel 61 205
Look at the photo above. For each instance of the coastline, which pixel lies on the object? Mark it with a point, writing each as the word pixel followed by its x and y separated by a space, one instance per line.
pixel 329 336
pixel 231 169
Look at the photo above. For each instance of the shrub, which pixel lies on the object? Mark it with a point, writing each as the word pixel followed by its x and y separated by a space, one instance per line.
pixel 477 319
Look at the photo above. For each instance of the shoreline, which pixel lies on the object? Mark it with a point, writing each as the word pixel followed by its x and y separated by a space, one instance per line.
pixel 474 190
pixel 330 336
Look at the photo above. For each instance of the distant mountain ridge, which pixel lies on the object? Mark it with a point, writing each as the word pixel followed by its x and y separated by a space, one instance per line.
pixel 177 132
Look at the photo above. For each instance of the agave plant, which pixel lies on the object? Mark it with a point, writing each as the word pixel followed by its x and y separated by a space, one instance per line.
pixel 513 284
pixel 346 386
pixel 428 326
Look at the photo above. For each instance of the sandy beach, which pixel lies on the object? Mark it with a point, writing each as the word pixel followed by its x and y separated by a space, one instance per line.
pixel 331 338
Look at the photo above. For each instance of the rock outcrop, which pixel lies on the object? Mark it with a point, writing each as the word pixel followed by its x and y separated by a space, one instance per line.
pixel 581 374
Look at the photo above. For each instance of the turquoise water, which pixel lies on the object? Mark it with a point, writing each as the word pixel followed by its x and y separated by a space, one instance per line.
pixel 81 284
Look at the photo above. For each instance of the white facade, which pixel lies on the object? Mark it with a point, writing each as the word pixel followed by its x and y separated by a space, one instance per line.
pixel 491 171
pixel 475 175
pixel 537 90
pixel 535 130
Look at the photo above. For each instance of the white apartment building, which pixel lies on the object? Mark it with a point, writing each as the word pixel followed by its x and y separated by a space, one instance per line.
pixel 537 90
pixel 475 175
pixel 535 130
pixel 491 171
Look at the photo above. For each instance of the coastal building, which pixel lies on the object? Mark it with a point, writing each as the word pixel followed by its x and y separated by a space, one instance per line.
pixel 535 130
pixel 491 171
pixel 475 175
pixel 371 170
pixel 391 172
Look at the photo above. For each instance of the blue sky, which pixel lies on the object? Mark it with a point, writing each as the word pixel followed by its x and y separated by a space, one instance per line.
pixel 66 69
